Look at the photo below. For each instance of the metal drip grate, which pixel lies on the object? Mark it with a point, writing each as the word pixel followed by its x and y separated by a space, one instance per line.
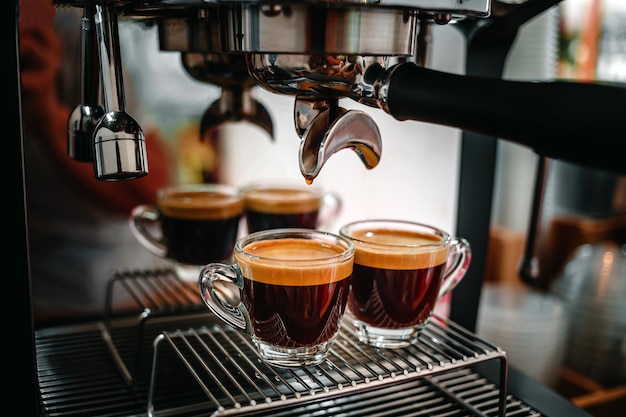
pixel 196 366
pixel 236 381
pixel 78 378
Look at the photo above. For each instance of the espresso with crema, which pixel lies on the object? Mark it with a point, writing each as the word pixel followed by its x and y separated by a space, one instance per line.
pixel 199 226
pixel 282 207
pixel 292 299
pixel 396 286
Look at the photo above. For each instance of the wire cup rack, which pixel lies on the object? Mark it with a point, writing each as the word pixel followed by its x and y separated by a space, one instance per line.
pixel 177 339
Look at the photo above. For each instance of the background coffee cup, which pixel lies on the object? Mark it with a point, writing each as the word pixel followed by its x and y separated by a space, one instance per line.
pixel 401 270
pixel 280 204
pixel 191 224
pixel 288 289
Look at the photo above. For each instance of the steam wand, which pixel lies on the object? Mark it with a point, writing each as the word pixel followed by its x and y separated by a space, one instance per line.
pixel 86 115
pixel 119 143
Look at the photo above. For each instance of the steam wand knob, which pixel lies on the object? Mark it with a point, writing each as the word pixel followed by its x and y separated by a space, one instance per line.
pixel 119 143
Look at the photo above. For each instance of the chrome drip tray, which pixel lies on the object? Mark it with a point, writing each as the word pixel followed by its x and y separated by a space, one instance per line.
pixel 177 359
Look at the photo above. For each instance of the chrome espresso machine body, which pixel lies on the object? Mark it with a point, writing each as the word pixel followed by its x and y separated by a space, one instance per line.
pixel 373 52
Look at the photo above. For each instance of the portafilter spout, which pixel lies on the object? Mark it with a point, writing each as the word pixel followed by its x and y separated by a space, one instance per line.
pixel 328 129
pixel 86 115
pixel 236 102
pixel 119 143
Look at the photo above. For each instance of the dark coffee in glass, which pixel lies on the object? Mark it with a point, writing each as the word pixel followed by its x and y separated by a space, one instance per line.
pixel 195 224
pixel 294 307
pixel 288 289
pixel 288 205
pixel 397 290
pixel 199 226
pixel 401 270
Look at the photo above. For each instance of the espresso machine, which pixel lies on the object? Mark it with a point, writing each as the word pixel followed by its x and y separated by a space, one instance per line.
pixel 372 52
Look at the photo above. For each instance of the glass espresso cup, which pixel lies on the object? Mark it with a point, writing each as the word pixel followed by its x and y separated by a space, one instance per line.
pixel 277 205
pixel 195 224
pixel 288 289
pixel 401 270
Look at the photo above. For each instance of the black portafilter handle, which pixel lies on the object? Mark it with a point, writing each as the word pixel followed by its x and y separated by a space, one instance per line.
pixel 582 123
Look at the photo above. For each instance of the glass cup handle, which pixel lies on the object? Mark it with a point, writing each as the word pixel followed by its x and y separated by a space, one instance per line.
pixel 140 218
pixel 219 288
pixel 330 209
pixel 459 258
